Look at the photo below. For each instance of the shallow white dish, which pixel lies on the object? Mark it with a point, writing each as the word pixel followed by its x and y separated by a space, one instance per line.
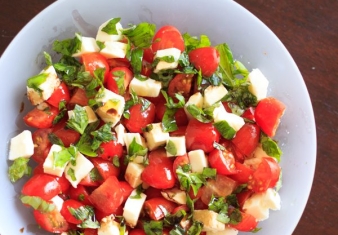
pixel 223 21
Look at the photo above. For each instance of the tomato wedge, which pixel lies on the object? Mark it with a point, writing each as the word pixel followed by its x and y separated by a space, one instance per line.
pixel 93 61
pixel 61 93
pixel 247 139
pixel 158 207
pixel 247 224
pixel 70 203
pixel 42 116
pixel 168 37
pixel 223 161
pixel 205 59
pixel 52 221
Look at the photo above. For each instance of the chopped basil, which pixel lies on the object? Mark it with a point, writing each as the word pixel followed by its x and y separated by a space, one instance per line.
pixel 135 149
pixel 119 76
pixel 171 148
pixel 195 228
pixel 199 114
pixel 86 215
pixel 62 112
pixel 54 139
pixel 193 42
pixel 153 227
pixel 173 219
pixel 71 173
pixel 139 190
pixel 61 158
pixel 136 60
pixel 140 35
pixel 169 121
pixel 48 58
pixel 133 101
pixel 18 169
pixel 103 134
pixel 225 67
pixel 271 147
pixel 110 27
pixel 35 81
pixel 225 129
pixel 37 203
pixel 94 175
pixel 116 161
pixel 100 44
pixel 242 97
pixel 68 46
pixel 79 120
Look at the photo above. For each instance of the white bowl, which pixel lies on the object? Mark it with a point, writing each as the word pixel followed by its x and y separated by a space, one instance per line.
pixel 223 21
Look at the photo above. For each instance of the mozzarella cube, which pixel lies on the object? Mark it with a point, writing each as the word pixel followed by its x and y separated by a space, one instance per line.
pixel 258 204
pixel 196 99
pixel 103 36
pixel 197 160
pixel 175 195
pixel 129 137
pixel 90 114
pixel 114 49
pixel 156 137
pixel 46 88
pixel 75 173
pixel 148 87
pixel 58 202
pixel 258 84
pixel 163 65
pixel 133 174
pixel 213 94
pixel 209 220
pixel 226 231
pixel 108 226
pixel 48 165
pixel 113 106
pixel 179 145
pixel 220 114
pixel 133 207
pixel 120 132
pixel 21 146
pixel 88 45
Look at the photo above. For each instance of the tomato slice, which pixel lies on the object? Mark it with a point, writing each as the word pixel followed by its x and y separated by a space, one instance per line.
pixel 61 93
pixel 110 149
pixel 80 194
pixel 180 115
pixel 205 59
pixel 168 37
pixel 180 84
pixel 223 161
pixel 247 224
pixel 268 113
pixel 78 97
pixel 158 207
pixel 180 161
pixel 66 135
pixel 136 231
pixel 161 166
pixel 52 221
pixel 201 136
pixel 93 61
pixel 42 144
pixel 247 139
pixel 118 62
pixel 70 203
pixel 119 73
pixel 126 190
pixel 105 168
pixel 152 192
pixel 90 231
pixel 243 173
pixel 42 116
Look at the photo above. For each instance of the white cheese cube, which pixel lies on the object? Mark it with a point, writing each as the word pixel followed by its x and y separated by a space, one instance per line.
pixel 113 107
pixel 258 204
pixel 120 132
pixel 197 160
pixel 58 202
pixel 129 137
pixel 114 49
pixel 209 220
pixel 47 87
pixel 88 45
pixel 196 99
pixel 148 87
pixel 103 36
pixel 226 231
pixel 175 195
pixel 21 146
pixel 48 165
pixel 108 226
pixel 133 174
pixel 90 114
pixel 75 173
pixel 163 65
pixel 213 94
pixel 156 137
pixel 133 207
pixel 179 145
pixel 258 84
pixel 220 114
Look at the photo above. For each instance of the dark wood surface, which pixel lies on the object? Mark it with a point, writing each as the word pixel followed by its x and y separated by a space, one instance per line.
pixel 309 30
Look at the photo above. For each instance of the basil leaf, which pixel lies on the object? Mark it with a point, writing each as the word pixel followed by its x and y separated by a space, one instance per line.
pixel 242 97
pixel 225 129
pixel 169 121
pixel 35 81
pixel 71 173
pixel 68 46
pixel 18 169
pixel 119 76
pixel 136 60
pixel 271 147
pixel 135 149
pixel 140 35
pixel 86 215
pixel 193 42
pixel 61 158
pixel 38 204
pixel 48 58
pixel 79 120
pixel 195 229
pixel 54 139
pixel 103 134
pixel 198 113
pixel 153 227
pixel 171 148
pixel 110 27
pixel 225 68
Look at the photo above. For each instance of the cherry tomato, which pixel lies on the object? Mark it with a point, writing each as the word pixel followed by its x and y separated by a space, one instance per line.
pixel 168 37
pixel 161 166
pixel 243 196
pixel 89 231
pixel 201 136
pixel 93 61
pixel 61 93
pixel 180 161
pixel 78 97
pixel 118 62
pixel 43 186
pixel 247 138
pixel 247 224
pixel 66 135
pixel 179 132
pixel 180 84
pixel 180 115
pixel 70 203
pixel 51 221
pixel 80 194
pixel 158 207
pixel 42 144
pixel 105 168
pixel 205 59
pixel 249 114
pixel 268 113
pixel 42 116
pixel 119 73
pixel 242 174
pixel 223 161
pixel 139 118
pixel 126 190
pixel 108 196
pixel 92 179
pixel 110 149
pixel 136 231
pixel 152 193
pixel 148 55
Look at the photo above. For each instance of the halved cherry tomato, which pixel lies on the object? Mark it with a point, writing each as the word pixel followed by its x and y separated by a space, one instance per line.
pixel 201 136
pixel 139 118
pixel 61 93
pixel 161 166
pixel 110 149
pixel 43 186
pixel 51 221
pixel 180 161
pixel 179 132
pixel 42 144
pixel 93 61
pixel 89 231
pixel 108 196
pixel 247 224
pixel 205 59
pixel 148 55
pixel 243 196
pixel 223 161
pixel 92 179
pixel 119 73
pixel 152 192
pixel 118 62
pixel 126 190
pixel 136 231
pixel 180 84
pixel 268 113
pixel 78 97
pixel 158 207
pixel 168 37
pixel 64 183
pixel 42 116
pixel 242 174
pixel 180 115
pixel 105 168
pixel 249 114
pixel 66 135
pixel 80 194
pixel 247 138
pixel 70 203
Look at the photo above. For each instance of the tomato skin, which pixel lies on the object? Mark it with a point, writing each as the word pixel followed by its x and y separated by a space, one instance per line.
pixel 110 149
pixel 41 116
pixel 66 135
pixel 105 168
pixel 66 213
pixel 247 224
pixel 268 113
pixel 51 221
pixel 205 59
pixel 201 136
pixel 242 174
pixel 108 196
pixel 180 84
pixel 158 207
pixel 126 190
pixel 139 119
pixel 161 166
pixel 61 93
pixel 180 161
pixel 89 231
pixel 136 231
pixel 249 114
pixel 78 97
pixel 93 61
pixel 42 144
pixel 247 139
pixel 80 194
pixel 152 193
pixel 223 161
pixel 180 115
pixel 167 37
pixel 118 62
pixel 43 186
pixel 117 72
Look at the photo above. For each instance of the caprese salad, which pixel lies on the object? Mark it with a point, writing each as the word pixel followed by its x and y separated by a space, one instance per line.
pixel 144 131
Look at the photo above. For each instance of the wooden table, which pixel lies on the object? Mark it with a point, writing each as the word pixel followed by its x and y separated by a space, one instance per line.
pixel 309 30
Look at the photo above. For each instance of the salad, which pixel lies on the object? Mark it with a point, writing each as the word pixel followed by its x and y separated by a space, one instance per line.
pixel 145 131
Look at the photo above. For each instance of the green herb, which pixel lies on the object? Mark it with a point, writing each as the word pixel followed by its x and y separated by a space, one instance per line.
pixel 54 139
pixel 235 216
pixel 68 47
pixel 85 144
pixel 18 169
pixel 140 35
pixel 136 149
pixel 110 27
pixel 225 129
pixel 271 147
pixel 171 148
pixel 87 215
pixel 103 134
pixel 133 101
pixel 61 158
pixel 37 203
pixel 71 173
pixel 119 78
pixel 242 97
pixel 79 120
pixel 100 44
pixel 116 161
pixel 95 175
pixel 35 81
pixel 172 219
pixel 139 190
pixel 136 60
pixel 62 112
pixel 193 42
pixel 153 227
pixel 48 58
pixel 199 114
pixel 195 228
